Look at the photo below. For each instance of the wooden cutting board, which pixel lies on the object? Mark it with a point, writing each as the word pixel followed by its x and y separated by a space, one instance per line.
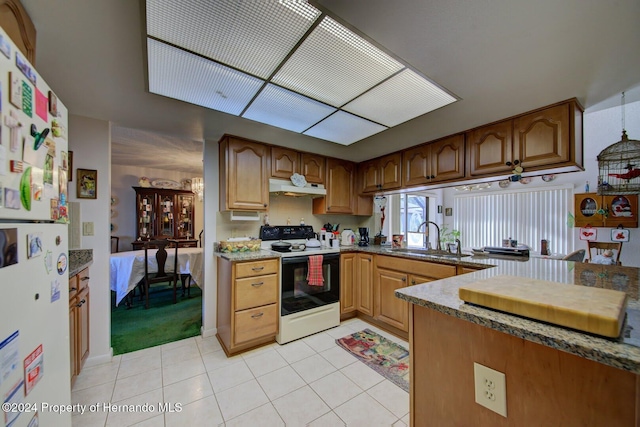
pixel 594 310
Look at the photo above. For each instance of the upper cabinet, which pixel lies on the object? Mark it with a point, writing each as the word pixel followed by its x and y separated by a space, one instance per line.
pixel 381 174
pixel 285 162
pixel 606 211
pixel 244 175
pixel 542 139
pixel 439 161
pixel 340 198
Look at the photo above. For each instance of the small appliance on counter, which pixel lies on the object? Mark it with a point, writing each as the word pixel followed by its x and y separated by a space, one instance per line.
pixel 348 237
pixel 364 236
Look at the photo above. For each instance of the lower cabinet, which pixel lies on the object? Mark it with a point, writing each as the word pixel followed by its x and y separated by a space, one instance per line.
pixel 78 322
pixel 247 313
pixel 364 284
pixel 392 273
pixel 348 281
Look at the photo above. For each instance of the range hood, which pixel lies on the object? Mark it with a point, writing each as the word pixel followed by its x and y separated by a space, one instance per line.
pixel 286 188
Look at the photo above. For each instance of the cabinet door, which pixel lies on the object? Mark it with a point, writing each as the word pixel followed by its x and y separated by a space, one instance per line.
pixel 284 162
pixel 82 327
pixel 447 158
pixel 72 340
pixel 348 280
pixel 146 213
pixel 246 175
pixel 542 138
pixel 390 176
pixel 340 182
pixel 185 215
pixel 364 288
pixel 313 167
pixel 416 163
pixel 490 148
pixel 388 308
pixel 370 176
pixel 623 210
pixel 166 225
pixel 586 206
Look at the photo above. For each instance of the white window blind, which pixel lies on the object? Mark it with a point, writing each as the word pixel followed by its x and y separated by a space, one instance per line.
pixel 527 215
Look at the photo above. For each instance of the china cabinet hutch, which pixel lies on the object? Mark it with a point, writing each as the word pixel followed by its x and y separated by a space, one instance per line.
pixel 164 214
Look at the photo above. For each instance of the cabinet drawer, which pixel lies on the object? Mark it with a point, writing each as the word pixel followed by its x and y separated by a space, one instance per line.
pixel 257 268
pixel 422 268
pixel 83 279
pixel 255 323
pixel 256 291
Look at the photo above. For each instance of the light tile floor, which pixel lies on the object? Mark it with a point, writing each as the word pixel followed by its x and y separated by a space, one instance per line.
pixel 311 381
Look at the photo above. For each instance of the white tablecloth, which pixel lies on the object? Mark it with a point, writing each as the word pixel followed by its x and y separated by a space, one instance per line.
pixel 127 268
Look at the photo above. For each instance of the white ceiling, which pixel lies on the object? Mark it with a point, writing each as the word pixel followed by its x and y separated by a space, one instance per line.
pixel 501 57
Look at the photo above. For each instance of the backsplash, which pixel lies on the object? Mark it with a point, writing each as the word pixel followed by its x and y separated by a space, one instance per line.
pixel 283 208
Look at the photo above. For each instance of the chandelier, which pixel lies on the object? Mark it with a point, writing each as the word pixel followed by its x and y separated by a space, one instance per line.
pixel 197 186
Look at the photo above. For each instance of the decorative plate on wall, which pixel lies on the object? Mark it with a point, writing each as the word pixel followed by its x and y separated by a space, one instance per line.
pixel 298 180
pixel 166 183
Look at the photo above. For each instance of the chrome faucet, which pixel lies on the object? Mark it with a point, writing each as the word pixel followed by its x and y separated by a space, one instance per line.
pixel 438 247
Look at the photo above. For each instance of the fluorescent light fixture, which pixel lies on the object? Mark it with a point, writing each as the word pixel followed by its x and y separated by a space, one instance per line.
pixel 283 63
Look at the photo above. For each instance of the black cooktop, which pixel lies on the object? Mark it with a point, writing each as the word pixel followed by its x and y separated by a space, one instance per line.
pixel 285 232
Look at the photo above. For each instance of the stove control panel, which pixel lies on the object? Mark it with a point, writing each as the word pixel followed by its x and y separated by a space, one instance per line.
pixel 285 232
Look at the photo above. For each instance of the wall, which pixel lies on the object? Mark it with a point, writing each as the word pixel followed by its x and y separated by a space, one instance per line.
pixel 89 139
pixel 123 216
pixel 602 128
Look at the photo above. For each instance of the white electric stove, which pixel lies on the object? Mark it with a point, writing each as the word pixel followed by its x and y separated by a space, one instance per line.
pixel 304 309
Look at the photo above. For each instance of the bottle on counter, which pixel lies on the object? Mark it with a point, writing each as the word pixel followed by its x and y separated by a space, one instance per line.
pixel 301 221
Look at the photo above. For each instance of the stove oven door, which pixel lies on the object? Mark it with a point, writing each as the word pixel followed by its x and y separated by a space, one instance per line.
pixel 296 293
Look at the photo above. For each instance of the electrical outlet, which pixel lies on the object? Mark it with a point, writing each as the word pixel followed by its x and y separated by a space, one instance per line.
pixel 491 389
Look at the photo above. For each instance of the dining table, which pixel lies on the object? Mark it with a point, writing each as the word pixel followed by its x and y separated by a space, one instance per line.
pixel 127 268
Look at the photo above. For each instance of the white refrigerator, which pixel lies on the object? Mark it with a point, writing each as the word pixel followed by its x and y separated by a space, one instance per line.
pixel 34 295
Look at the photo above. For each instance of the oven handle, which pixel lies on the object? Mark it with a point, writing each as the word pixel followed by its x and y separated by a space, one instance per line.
pixel 305 258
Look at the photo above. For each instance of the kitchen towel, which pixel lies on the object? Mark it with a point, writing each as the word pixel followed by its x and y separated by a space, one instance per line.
pixel 314 275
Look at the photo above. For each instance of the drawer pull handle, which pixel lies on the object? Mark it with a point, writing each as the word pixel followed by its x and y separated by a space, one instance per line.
pixel 404 279
pixel 255 316
pixel 258 268
pixel 257 284
pixel 413 282
pixel 73 289
pixel 84 278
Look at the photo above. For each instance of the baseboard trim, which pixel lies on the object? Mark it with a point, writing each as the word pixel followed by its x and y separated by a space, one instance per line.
pixel 99 359
pixel 206 333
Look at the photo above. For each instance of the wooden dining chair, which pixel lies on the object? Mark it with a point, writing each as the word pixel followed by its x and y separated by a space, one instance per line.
pixel 600 247
pixel 165 273
pixel 577 256
pixel 117 240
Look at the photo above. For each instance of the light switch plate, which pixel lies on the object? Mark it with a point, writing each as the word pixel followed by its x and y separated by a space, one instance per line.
pixel 87 228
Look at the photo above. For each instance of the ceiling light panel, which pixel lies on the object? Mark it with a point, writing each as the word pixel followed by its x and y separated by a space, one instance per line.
pixel 334 65
pixel 191 78
pixel 344 128
pixel 254 36
pixel 285 109
pixel 403 97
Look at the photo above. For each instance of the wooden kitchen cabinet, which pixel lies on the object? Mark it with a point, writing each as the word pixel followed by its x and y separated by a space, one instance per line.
pixel 348 283
pixel 389 309
pixel 78 322
pixel 619 210
pixel 340 185
pixel 163 214
pixel 247 310
pixel 439 161
pixel 244 175
pixel 542 139
pixel 381 174
pixel 364 284
pixel 285 162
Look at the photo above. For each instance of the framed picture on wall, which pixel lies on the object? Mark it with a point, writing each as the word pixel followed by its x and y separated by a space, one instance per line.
pixel 86 184
pixel 620 235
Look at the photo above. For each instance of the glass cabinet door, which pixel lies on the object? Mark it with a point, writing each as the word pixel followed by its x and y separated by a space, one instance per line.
pixel 146 215
pixel 166 226
pixel 185 215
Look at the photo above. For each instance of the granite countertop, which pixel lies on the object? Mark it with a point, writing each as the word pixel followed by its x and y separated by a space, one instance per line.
pixel 79 259
pixel 247 256
pixel 622 352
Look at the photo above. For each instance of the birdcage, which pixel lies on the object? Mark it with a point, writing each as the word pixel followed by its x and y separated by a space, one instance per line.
pixel 619 167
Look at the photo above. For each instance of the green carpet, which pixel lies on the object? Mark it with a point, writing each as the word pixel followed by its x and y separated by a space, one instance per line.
pixel 137 328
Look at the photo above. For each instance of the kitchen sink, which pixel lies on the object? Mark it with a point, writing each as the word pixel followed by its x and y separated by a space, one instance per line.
pixel 429 252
